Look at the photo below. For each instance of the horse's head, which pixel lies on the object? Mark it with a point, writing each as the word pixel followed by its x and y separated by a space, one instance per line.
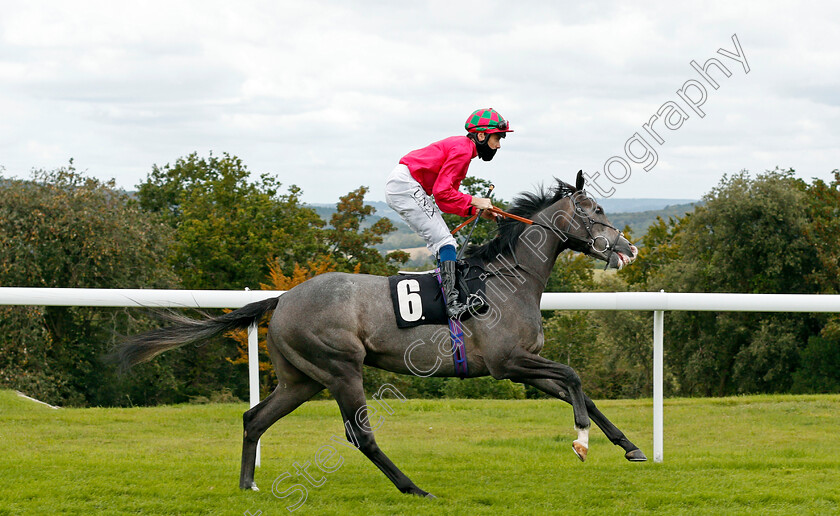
pixel 564 212
pixel 591 233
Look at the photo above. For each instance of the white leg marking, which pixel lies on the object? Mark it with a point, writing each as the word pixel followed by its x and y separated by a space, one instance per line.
pixel 583 436
pixel 581 444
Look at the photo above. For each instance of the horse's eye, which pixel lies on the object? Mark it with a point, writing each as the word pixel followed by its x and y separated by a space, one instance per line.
pixel 599 210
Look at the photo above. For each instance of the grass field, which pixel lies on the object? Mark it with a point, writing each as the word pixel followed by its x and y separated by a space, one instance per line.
pixel 745 455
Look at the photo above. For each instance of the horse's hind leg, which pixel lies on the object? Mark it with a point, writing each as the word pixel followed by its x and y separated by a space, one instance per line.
pixel 286 397
pixel 616 436
pixel 350 396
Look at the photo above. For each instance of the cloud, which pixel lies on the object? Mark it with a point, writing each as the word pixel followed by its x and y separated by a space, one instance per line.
pixel 330 95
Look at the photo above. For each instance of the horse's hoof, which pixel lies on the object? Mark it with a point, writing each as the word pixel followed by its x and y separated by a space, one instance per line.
pixel 252 486
pixel 419 492
pixel 635 456
pixel 580 450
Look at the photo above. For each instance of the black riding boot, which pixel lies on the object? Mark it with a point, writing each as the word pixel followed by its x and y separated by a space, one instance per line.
pixel 454 308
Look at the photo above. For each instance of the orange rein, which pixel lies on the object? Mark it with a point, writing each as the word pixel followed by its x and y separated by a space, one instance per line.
pixel 495 211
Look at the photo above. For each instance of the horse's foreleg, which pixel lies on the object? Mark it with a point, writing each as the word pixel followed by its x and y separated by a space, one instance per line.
pixel 285 398
pixel 524 367
pixel 616 436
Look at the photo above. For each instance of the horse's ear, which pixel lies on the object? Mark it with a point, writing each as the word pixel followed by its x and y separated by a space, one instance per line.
pixel 579 182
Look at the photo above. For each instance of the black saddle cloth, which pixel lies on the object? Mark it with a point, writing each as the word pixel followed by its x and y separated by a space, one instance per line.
pixel 418 299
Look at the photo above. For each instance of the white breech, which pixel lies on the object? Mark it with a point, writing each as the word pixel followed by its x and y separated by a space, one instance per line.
pixel 406 196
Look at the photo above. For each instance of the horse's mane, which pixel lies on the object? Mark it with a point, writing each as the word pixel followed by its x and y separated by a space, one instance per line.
pixel 526 204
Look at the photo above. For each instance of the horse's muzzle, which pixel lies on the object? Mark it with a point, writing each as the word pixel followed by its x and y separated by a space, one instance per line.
pixel 623 255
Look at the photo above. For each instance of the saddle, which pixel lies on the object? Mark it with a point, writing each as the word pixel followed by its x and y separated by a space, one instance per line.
pixel 418 299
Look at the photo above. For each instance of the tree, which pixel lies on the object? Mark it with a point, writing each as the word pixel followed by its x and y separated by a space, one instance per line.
pixel 748 237
pixel 225 226
pixel 659 247
pixel 823 232
pixel 572 272
pixel 820 366
pixel 485 229
pixel 351 245
pixel 62 229
pixel 820 359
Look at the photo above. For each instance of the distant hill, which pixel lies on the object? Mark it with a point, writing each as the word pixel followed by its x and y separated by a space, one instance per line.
pixel 616 206
pixel 611 205
pixel 639 214
pixel 382 210
pixel 402 238
pixel 640 221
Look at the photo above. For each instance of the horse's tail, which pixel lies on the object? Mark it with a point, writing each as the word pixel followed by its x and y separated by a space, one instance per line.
pixel 145 346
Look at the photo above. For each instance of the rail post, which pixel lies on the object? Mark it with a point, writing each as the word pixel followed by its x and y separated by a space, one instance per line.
pixel 254 371
pixel 658 352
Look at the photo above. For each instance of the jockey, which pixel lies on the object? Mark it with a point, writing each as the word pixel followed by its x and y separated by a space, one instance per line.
pixel 438 170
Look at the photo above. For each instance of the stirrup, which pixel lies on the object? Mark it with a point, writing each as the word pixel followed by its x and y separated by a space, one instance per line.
pixel 456 309
pixel 477 305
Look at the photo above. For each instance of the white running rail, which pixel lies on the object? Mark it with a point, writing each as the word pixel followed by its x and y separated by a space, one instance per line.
pixel 656 302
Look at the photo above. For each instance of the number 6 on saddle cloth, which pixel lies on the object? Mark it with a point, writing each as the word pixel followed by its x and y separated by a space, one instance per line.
pixel 418 299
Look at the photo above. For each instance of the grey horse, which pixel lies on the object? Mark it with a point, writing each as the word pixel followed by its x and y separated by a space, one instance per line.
pixel 324 330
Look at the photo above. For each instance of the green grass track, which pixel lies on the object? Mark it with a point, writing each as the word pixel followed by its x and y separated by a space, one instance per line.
pixel 745 455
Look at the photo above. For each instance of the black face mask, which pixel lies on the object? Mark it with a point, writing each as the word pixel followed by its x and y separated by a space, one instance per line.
pixel 484 150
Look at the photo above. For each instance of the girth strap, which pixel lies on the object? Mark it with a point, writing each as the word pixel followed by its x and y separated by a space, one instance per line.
pixel 456 334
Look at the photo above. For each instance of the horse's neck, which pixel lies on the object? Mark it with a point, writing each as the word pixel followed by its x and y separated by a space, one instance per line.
pixel 535 252
pixel 538 247
pixel 537 257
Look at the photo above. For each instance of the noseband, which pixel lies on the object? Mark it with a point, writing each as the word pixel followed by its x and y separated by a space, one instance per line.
pixel 592 243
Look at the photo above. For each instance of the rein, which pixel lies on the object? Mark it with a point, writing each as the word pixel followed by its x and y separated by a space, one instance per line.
pixel 496 211
pixel 590 243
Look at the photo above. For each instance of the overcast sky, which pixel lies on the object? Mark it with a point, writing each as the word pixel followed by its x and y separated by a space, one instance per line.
pixel 329 97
